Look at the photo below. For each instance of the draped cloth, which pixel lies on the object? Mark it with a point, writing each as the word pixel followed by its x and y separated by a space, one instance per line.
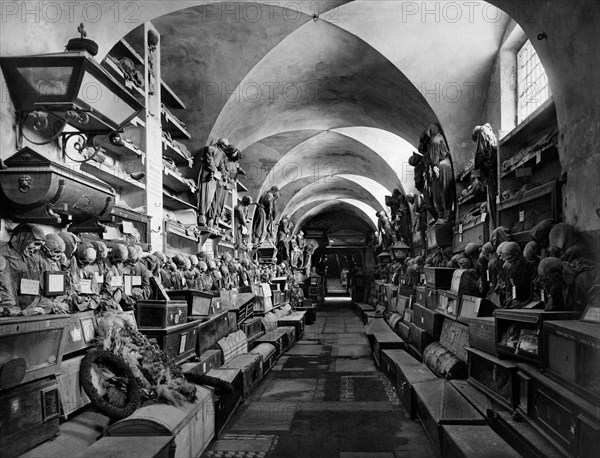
pixel 565 237
pixel 437 154
pixel 486 161
pixel 262 225
pixel 205 165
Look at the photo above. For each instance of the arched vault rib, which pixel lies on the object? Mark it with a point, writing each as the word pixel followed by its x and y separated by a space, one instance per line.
pixel 356 208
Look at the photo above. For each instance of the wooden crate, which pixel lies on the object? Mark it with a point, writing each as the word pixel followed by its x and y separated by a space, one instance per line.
pixel 419 339
pixel 190 425
pixel 403 330
pixel 180 341
pixel 383 341
pixel 110 447
pixel 276 338
pixel 455 337
pixel 495 377
pixel 474 441
pixel 200 304
pixel 449 304
pixel 474 307
pixel 570 422
pixel 410 372
pixel 72 396
pixel 28 416
pixel 476 232
pixel 570 356
pixel 211 331
pixel 527 320
pixel 429 320
pixel 251 366
pixel 438 403
pixel 160 314
pixel 439 235
pixel 296 321
pixel 210 359
pixel 402 304
pixel 482 334
pixel 225 405
pixel 251 327
pixel 268 354
pixel 438 277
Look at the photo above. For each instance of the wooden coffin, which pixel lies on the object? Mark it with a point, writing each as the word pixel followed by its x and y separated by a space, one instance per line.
pixel 311 310
pixel 418 340
pixel 251 366
pixel 211 331
pixel 234 344
pixel 160 314
pixel 79 332
pixel 571 356
pixel 251 327
pixel 402 303
pixel 31 348
pixel 180 341
pixel 290 336
pixel 570 422
pixel 439 235
pixel 474 441
pixel 482 334
pixel 384 341
pixel 110 447
pixel 475 232
pixel 190 425
pixel 393 320
pixel 200 304
pixel 523 321
pixel 403 330
pixel 28 416
pixel 455 337
pixel 443 362
pixel 438 403
pixel 495 377
pixel 276 338
pixel 295 321
pixel 474 307
pixel 360 308
pixel 407 372
pixel 268 354
pixel 72 396
pixel 429 320
pixel 438 277
pixel 210 359
pixel 37 190
pixel 448 304
pixel 225 405
pixel 421 295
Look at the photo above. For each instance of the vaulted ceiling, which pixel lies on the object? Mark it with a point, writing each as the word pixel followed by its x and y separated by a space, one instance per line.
pixel 331 109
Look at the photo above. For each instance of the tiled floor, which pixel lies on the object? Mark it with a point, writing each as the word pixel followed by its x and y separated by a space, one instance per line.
pixel 324 398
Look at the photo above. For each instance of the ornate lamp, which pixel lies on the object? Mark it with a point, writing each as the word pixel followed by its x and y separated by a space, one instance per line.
pixel 70 86
pixel 400 250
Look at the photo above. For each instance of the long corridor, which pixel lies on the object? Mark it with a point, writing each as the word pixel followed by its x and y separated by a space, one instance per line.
pixel 324 398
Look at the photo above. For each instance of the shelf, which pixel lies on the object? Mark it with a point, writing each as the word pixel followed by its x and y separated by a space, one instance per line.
pixel 226 244
pixel 169 98
pixel 137 121
pixel 178 157
pixel 180 231
pixel 228 207
pixel 225 225
pixel 115 71
pixel 173 202
pixel 174 181
pixel 534 151
pixel 123 49
pixel 528 196
pixel 113 177
pixel 126 150
pixel 535 124
pixel 173 126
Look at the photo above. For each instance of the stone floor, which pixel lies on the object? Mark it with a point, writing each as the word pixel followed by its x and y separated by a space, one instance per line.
pixel 324 398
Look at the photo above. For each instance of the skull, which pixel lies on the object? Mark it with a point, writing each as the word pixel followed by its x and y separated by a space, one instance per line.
pixel 483 208
pixel 507 194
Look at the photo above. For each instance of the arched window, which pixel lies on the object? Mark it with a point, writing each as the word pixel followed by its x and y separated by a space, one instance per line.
pixel 532 82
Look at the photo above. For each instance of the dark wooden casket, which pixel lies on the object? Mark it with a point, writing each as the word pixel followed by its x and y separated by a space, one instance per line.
pixel 268 353
pixel 570 422
pixel 525 320
pixel 109 447
pixel 455 337
pixel 474 441
pixel 439 235
pixel 251 366
pixel 28 416
pixel 571 356
pixel 448 304
pixel 210 359
pixel 251 327
pixel 473 307
pixel 200 304
pixel 79 332
pixel 428 320
pixel 438 403
pixel 495 377
pixel 161 314
pixel 37 190
pixel 191 425
pixel 295 321
pixel 226 404
pixel 213 330
pixel 443 362
pixel 180 341
pixel 439 277
pixel 418 340
pixel 482 334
